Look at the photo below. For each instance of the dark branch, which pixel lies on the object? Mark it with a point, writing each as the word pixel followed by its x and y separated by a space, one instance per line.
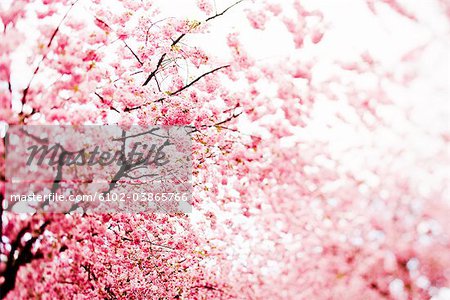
pixel 134 54
pixel 197 79
pixel 223 12
pixel 176 41
pixel 25 91
pixel 24 255
pixel 60 23
pixel 152 74
pixel 103 100
pixel 233 116
pixel 179 90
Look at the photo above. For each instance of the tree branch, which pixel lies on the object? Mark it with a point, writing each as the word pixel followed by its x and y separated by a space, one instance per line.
pixel 128 109
pixel 24 256
pixel 25 91
pixel 197 79
pixel 134 54
pixel 103 100
pixel 223 12
pixel 218 124
pixel 153 73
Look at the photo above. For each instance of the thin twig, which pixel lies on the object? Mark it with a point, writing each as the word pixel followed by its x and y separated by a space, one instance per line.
pixel 134 54
pixel 179 90
pixel 175 42
pixel 25 91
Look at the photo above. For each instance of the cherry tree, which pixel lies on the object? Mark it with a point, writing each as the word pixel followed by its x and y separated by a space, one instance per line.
pixel 313 177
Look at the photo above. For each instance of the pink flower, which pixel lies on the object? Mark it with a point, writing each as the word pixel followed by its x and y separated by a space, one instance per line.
pixel 205 6
pixel 257 19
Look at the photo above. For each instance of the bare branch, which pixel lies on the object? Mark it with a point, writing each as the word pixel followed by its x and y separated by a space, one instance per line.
pixel 25 91
pixel 134 54
pixel 25 255
pixel 197 79
pixel 233 116
pixel 103 100
pixel 154 71
pixel 223 12
pixel 181 89
pixel 176 41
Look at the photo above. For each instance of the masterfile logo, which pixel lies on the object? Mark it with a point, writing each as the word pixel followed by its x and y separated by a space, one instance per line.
pixel 98 169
